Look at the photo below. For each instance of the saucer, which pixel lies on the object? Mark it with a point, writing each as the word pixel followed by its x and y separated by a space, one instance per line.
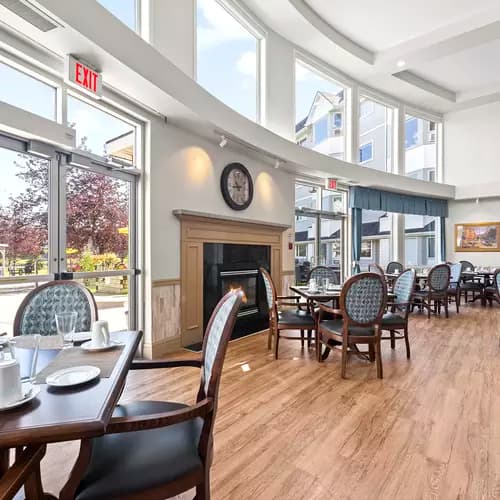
pixel 30 392
pixel 89 346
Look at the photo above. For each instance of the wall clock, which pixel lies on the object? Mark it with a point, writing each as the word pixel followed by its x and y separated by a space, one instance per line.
pixel 237 186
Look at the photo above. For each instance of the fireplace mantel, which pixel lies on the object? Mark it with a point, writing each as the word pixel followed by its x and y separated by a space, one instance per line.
pixel 181 213
pixel 199 228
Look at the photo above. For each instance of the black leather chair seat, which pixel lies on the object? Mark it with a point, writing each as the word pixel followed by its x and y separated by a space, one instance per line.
pixel 335 326
pixel 391 319
pixel 490 290
pixel 302 319
pixel 134 461
pixel 471 285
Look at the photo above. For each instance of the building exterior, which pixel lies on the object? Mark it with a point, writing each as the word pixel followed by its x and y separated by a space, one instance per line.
pixel 323 130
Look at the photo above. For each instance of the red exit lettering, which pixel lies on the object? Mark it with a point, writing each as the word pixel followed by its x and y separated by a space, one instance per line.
pixel 86 77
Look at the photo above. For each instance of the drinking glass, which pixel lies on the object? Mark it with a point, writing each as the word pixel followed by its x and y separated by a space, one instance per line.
pixel 66 324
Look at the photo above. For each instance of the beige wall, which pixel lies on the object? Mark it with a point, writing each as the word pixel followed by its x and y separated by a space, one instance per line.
pixel 487 210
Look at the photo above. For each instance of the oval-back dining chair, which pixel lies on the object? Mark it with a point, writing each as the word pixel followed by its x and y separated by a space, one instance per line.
pixel 321 272
pixel 362 304
pixel 37 311
pixel 158 449
pixel 438 282
pixel 394 267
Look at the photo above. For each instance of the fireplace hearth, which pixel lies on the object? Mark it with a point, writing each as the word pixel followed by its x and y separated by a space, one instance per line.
pixel 232 266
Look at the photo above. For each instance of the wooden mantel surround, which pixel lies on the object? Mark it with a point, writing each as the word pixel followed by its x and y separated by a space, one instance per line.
pixel 198 228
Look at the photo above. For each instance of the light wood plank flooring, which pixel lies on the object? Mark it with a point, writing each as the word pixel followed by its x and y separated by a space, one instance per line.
pixel 292 429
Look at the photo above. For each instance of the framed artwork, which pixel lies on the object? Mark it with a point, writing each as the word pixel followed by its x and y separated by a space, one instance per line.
pixel 477 237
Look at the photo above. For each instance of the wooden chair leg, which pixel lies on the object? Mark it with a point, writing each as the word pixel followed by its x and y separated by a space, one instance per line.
pixel 203 489
pixel 429 310
pixel 33 489
pixel 457 300
pixel 318 345
pixel 276 343
pixel 309 338
pixel 270 337
pixel 302 339
pixel 378 355
pixel 446 309
pixel 344 360
pixel 407 342
pixel 393 340
pixel 371 353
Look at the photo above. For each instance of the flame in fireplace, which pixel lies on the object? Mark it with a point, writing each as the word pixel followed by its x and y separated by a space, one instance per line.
pixel 238 289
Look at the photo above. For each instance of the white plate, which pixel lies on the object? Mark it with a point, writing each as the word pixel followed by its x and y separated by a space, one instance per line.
pixel 89 346
pixel 30 392
pixel 77 337
pixel 70 377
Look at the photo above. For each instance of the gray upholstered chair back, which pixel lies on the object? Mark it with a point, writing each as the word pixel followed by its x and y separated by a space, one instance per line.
pixel 394 267
pixel 455 273
pixel 222 318
pixel 321 272
pixel 363 298
pixel 37 313
pixel 403 287
pixel 270 293
pixel 439 278
pixel 375 268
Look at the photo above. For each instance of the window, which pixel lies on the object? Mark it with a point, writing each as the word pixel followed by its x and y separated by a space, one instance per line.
pixel 124 10
pixel 366 107
pixel 317 96
pixel 321 130
pixel 366 249
pixel 421 147
pixel 227 58
pixel 21 90
pixel 366 152
pixel 376 127
pixel 101 133
pixel 319 229
pixel 420 240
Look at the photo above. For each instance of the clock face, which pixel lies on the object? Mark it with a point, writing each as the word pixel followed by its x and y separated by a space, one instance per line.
pixel 237 186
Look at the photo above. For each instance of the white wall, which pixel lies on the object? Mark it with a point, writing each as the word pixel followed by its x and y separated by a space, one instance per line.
pixel 471 145
pixel 185 174
pixel 487 210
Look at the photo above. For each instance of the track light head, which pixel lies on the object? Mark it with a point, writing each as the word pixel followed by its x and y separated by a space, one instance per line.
pixel 223 141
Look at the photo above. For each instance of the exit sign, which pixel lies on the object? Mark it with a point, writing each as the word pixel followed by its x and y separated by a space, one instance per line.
pixel 331 183
pixel 84 76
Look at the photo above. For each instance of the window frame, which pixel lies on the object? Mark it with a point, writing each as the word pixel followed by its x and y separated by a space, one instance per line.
pixel 372 107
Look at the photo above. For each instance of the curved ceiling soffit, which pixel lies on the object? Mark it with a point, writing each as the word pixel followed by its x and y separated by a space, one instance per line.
pixel 338 38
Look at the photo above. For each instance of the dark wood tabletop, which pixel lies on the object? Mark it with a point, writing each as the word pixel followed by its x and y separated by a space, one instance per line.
pixel 68 414
pixel 320 295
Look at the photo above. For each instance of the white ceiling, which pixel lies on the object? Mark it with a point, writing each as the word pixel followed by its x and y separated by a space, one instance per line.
pixel 450 47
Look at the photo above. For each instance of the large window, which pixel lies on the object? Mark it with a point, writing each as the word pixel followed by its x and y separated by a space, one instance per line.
pixel 101 133
pixel 19 89
pixel 319 112
pixel 375 134
pixel 421 152
pixel 421 240
pixel 124 10
pixel 227 58
pixel 319 229
pixel 376 242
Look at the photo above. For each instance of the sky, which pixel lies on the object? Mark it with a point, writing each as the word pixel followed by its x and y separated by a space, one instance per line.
pixel 124 10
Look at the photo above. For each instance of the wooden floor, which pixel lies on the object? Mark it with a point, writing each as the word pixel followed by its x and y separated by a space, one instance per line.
pixel 292 429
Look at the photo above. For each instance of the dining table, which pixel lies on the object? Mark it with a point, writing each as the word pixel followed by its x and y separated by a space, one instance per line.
pixel 65 414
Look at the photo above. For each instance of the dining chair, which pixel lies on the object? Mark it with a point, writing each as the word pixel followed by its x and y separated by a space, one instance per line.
pixel 292 318
pixel 471 284
pixel 322 272
pixel 435 293
pixel 394 267
pixel 396 320
pixel 37 311
pixel 157 449
pixel 362 304
pixel 492 293
pixel 455 287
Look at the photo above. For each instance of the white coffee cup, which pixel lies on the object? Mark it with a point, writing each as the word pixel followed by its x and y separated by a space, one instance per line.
pixel 100 333
pixel 10 380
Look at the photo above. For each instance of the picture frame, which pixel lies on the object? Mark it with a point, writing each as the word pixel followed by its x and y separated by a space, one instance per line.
pixel 477 237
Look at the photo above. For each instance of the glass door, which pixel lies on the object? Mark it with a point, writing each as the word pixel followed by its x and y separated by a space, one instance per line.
pixel 27 232
pixel 97 236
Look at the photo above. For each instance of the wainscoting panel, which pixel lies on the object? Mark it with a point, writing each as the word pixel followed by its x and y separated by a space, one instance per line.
pixel 288 278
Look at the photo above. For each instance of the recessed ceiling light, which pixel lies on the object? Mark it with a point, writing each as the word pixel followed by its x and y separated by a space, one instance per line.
pixel 223 141
pixel 401 63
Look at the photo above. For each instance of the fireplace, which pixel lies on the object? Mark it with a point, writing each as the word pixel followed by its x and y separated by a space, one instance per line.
pixel 232 266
